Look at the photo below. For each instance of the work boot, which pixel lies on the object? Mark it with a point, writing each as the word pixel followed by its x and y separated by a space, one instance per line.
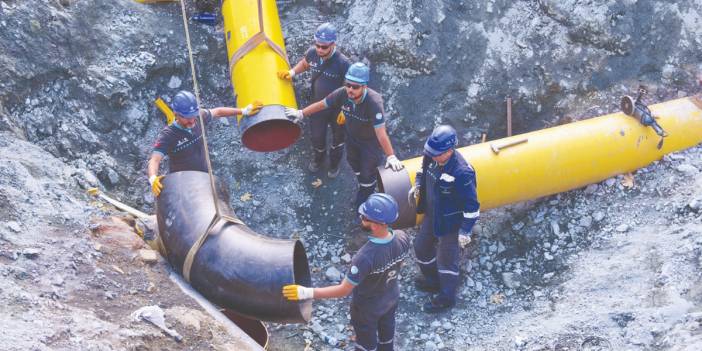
pixel 437 305
pixel 362 195
pixel 335 153
pixel 316 161
pixel 422 284
pixel 314 166
pixel 333 171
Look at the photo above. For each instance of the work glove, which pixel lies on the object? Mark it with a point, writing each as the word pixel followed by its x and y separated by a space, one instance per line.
pixel 294 115
pixel 286 75
pixel 341 119
pixel 251 109
pixel 413 194
pixel 156 185
pixel 394 163
pixel 297 292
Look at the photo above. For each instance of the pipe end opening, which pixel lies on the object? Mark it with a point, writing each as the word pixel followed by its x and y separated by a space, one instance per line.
pixel 271 135
pixel 302 277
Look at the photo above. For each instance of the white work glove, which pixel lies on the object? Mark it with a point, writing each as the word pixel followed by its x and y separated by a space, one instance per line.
pixel 394 163
pixel 297 292
pixel 413 195
pixel 294 115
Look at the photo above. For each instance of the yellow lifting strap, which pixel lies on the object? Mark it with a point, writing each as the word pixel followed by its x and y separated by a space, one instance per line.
pixel 255 41
pixel 187 265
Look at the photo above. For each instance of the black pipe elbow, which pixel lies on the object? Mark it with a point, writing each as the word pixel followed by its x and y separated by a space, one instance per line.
pixel 397 184
pixel 236 268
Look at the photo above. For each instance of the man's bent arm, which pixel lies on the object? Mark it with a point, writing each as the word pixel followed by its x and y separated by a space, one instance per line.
pixel 154 162
pixel 315 107
pixel 384 140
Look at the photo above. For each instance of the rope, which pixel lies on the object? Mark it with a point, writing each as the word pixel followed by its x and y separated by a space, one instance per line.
pixel 187 264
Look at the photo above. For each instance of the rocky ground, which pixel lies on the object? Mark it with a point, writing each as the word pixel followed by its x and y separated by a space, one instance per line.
pixel 607 267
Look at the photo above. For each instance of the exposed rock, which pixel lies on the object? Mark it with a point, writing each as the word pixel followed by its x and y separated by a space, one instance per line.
pixel 333 274
pixel 148 256
pixel 687 169
pixel 31 253
pixel 622 228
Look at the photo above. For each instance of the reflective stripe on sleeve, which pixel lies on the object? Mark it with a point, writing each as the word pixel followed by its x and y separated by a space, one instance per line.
pixel 471 215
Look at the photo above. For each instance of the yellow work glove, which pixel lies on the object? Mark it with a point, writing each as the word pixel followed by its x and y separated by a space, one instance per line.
pixel 341 119
pixel 251 109
pixel 287 75
pixel 156 185
pixel 297 292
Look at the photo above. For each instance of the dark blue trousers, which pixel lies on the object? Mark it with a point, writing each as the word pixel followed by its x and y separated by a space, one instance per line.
pixel 320 122
pixel 438 259
pixel 364 159
pixel 374 326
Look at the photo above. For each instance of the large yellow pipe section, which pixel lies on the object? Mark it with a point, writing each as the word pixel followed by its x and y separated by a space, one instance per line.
pixel 567 157
pixel 254 75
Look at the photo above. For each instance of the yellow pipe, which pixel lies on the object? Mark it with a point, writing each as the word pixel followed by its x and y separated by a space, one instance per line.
pixel 570 156
pixel 254 75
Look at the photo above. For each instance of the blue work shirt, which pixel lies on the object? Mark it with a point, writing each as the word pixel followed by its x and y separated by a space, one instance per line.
pixel 452 202
pixel 183 146
pixel 327 75
pixel 375 270
pixel 361 118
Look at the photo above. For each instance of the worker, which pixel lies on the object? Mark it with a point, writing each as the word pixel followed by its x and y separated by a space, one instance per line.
pixel 328 67
pixel 373 277
pixel 182 141
pixel 363 118
pixel 446 193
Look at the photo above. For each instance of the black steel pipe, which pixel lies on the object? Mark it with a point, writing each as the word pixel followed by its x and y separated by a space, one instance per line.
pixel 236 268
pixel 397 185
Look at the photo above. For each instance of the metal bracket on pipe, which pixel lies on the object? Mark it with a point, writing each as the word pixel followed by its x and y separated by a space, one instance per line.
pixel 496 148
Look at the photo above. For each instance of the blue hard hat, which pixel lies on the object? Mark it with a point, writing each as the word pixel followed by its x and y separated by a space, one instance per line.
pixel 442 139
pixel 358 73
pixel 380 207
pixel 185 104
pixel 325 33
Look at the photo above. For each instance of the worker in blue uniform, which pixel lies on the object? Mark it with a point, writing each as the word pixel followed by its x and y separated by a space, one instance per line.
pixel 445 189
pixel 373 277
pixel 328 67
pixel 181 141
pixel 363 118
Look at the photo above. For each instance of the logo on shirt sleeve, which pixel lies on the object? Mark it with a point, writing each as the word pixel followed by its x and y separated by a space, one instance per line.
pixel 378 116
pixel 354 270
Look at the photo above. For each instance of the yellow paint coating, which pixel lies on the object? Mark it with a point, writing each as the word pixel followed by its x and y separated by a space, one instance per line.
pixel 254 76
pixel 571 156
pixel 163 106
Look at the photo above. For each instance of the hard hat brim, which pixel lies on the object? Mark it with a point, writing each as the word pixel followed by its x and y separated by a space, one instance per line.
pixel 431 152
pixel 191 115
pixel 323 42
pixel 351 78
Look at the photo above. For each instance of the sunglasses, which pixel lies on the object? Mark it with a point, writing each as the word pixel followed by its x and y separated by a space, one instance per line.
pixel 320 46
pixel 353 86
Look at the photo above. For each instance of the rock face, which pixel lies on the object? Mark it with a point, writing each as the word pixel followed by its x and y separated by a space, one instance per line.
pixel 77 82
